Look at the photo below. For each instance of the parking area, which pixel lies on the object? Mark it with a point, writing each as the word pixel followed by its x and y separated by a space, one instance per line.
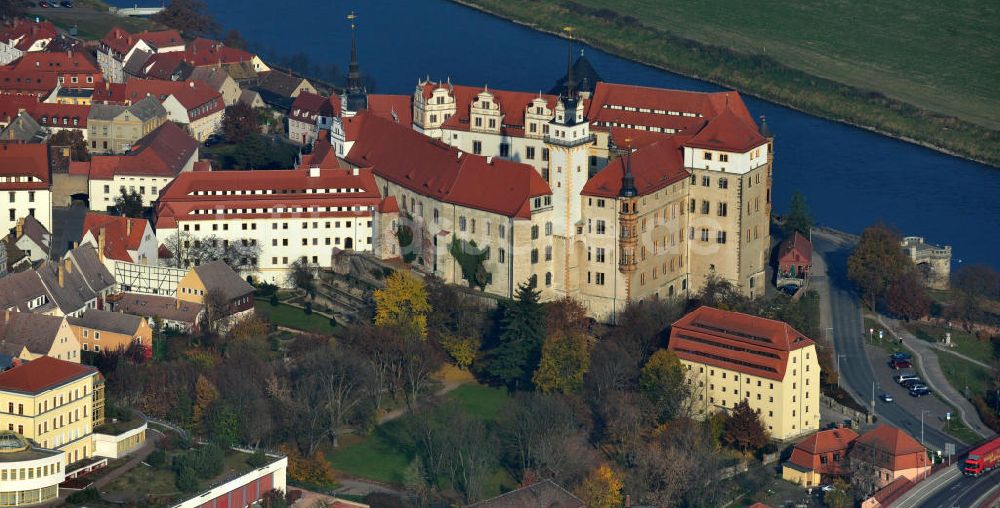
pixel 934 409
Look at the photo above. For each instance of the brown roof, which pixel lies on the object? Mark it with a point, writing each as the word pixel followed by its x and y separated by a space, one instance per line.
pixel 164 307
pixel 280 83
pixel 544 494
pixel 163 152
pixel 37 332
pixel 42 374
pixel 806 453
pixel 17 289
pixel 653 167
pixel 218 275
pixel 732 340
pixel 114 322
pixel 894 449
pixel 890 493
pixel 729 133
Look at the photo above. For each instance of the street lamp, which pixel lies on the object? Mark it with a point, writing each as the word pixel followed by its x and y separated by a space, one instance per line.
pixel 922 412
pixel 838 368
pixel 874 386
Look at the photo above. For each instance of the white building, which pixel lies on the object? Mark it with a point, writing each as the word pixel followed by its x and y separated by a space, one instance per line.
pixel 25 184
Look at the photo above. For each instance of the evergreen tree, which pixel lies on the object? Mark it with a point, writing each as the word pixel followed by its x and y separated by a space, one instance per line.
pixel 523 332
pixel 129 204
pixel 798 218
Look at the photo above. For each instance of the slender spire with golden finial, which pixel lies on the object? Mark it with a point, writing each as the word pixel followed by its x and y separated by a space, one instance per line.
pixel 628 189
pixel 570 82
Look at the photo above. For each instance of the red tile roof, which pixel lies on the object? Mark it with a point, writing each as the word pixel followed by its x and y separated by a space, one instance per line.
pixel 322 155
pixel 806 453
pixel 162 38
pixel 193 95
pixel 897 449
pixel 121 41
pixel 389 205
pixel 640 112
pixel 26 33
pixel 60 115
pixel 288 188
pixel 42 374
pixel 118 238
pixel 307 106
pixel 11 105
pixel 731 340
pixel 797 244
pixel 386 105
pixel 201 52
pixel 654 167
pixel 428 167
pixel 59 62
pixel 24 160
pixel 728 132
pixel 163 152
pixel 29 82
pixel 512 105
pixel 890 493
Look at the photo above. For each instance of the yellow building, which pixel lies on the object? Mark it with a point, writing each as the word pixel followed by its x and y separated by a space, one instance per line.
pixel 99 330
pixel 28 474
pixel 731 357
pixel 55 403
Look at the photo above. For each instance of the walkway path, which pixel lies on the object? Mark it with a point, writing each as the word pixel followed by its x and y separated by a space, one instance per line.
pixel 925 354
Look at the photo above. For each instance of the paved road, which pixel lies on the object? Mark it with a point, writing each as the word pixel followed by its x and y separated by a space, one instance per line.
pixel 844 317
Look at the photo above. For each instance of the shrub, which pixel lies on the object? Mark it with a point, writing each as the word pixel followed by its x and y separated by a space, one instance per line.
pixel 258 459
pixel 274 300
pixel 87 495
pixel 157 459
pixel 308 309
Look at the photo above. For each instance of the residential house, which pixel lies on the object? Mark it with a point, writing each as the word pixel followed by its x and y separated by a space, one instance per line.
pixel 29 336
pixel 251 98
pixel 76 96
pixel 115 128
pixel 72 69
pixel 191 103
pixel 30 83
pixel 293 214
pixel 32 238
pixel 279 89
pixel 542 494
pixel 220 81
pixel 203 52
pixel 311 113
pixel 25 184
pixel 55 403
pixel 242 72
pixel 154 161
pixel 894 453
pixel 795 257
pixel 819 458
pixel 19 36
pixel 216 276
pixel 100 330
pixel 731 357
pixel 176 314
pixel 58 117
pixel 118 47
pixel 122 239
pixel 23 129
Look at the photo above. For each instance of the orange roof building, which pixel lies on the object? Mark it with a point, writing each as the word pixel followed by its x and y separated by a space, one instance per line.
pixel 895 454
pixel 118 238
pixel 732 357
pixel 795 257
pixel 819 458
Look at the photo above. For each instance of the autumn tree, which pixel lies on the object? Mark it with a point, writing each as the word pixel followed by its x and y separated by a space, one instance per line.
pixel 566 315
pixel 403 304
pixel 190 17
pixel 602 488
pixel 234 39
pixel 837 497
pixel 517 355
pixel 217 309
pixel 664 385
pixel 205 395
pixel 743 428
pixel 73 139
pixel 798 219
pixel 973 285
pixel 302 275
pixel 541 435
pixel 565 359
pixel 129 204
pixel 462 350
pixel 876 263
pixel 907 297
pixel 674 468
pixel 239 122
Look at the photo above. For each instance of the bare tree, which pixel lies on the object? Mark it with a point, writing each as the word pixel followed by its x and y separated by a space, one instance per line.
pixel 241 255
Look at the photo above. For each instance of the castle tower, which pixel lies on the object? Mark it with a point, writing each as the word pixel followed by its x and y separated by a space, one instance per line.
pixel 355 98
pixel 567 144
pixel 628 237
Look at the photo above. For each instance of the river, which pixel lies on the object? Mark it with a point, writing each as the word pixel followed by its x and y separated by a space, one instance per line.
pixel 850 177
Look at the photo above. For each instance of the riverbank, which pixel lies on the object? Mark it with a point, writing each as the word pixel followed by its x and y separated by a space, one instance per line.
pixel 756 75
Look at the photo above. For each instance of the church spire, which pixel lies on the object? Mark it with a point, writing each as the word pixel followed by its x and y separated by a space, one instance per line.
pixel 570 81
pixel 628 189
pixel 356 97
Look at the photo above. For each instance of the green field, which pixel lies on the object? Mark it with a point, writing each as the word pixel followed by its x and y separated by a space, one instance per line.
pixel 964 343
pixel 903 68
pixel 961 373
pixel 294 317
pixel 480 401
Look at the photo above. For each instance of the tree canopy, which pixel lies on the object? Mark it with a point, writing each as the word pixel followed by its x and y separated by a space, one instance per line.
pixel 877 262
pixel 72 138
pixel 190 17
pixel 523 331
pixel 403 303
pixel 239 122
pixel 129 204
pixel 798 219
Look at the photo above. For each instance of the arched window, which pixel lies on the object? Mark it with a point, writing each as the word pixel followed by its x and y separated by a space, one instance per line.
pixel 548 278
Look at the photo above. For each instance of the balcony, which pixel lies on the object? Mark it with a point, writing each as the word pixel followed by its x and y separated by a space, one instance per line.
pixel 570 143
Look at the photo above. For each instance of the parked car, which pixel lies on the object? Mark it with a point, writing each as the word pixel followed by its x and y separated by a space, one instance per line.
pixel 67 4
pixel 43 5
pixel 919 390
pixel 900 355
pixel 214 139
pixel 886 397
pixel 899 378
pixel 910 383
pixel 900 364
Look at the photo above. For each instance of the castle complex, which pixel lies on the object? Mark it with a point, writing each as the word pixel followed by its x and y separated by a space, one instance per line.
pixel 616 194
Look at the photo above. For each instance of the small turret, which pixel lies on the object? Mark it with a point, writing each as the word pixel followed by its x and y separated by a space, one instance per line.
pixel 628 189
pixel 764 129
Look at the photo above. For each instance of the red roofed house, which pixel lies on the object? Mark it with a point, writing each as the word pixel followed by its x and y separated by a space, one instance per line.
pixel 192 103
pixel 311 113
pixel 19 36
pixel 122 239
pixel 305 213
pixel 26 177
pixel 119 46
pixel 455 198
pixel 894 453
pixel 795 257
pixel 819 458
pixel 73 69
pixel 153 162
pixel 31 83
pixel 731 357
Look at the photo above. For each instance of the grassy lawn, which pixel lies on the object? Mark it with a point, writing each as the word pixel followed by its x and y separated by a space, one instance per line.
pixel 145 479
pixel 958 429
pixel 964 343
pixel 294 317
pixel 480 401
pixel 961 374
pixel 92 19
pixel 379 456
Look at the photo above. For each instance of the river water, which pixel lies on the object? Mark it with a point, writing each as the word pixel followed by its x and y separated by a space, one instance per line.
pixel 850 177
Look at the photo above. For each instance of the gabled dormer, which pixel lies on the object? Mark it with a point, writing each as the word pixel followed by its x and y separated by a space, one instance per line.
pixel 433 104
pixel 537 116
pixel 485 114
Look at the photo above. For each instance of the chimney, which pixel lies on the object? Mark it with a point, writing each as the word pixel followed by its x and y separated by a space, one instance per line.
pixel 489 159
pixel 20 227
pixel 313 171
pixel 177 303
pixel 62 276
pixel 100 244
pixel 69 264
pixel 355 171
pixel 6 317
pixel 128 227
